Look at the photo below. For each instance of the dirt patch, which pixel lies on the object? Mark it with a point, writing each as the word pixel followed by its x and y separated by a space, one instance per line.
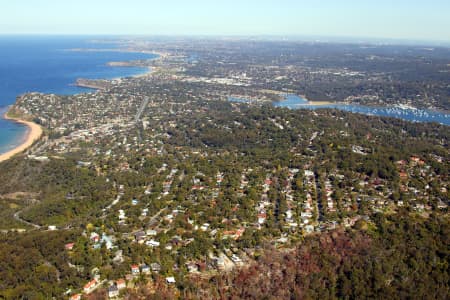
pixel 19 195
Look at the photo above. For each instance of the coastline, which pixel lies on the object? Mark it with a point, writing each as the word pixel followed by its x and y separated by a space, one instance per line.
pixel 34 132
pixel 147 70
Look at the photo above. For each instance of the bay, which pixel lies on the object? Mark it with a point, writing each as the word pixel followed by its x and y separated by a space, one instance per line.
pixel 400 112
pixel 51 64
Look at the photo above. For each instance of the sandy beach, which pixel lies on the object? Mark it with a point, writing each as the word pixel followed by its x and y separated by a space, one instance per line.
pixel 33 134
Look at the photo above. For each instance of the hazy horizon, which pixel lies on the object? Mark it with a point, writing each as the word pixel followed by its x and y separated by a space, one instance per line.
pixel 290 38
pixel 380 20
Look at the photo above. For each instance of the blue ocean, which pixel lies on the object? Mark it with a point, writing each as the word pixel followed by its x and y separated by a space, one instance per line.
pixel 51 64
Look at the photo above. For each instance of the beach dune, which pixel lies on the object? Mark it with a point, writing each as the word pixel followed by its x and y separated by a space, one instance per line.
pixel 33 134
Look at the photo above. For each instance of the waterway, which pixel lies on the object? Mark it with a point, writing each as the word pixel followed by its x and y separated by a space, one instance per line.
pixel 409 114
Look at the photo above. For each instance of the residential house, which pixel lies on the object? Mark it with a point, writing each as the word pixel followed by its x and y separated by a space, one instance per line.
pixel 262 218
pixel 192 267
pixel 152 243
pixel 94 237
pixel 140 236
pixel 155 267
pixel 113 291
pixel 170 279
pixel 135 270
pixel 90 286
pixel 121 284
pixel 145 269
pixel 75 297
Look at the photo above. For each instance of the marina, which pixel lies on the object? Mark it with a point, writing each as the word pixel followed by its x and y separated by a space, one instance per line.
pixel 404 112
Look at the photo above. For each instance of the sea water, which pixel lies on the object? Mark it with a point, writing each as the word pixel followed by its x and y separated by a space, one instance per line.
pixel 51 64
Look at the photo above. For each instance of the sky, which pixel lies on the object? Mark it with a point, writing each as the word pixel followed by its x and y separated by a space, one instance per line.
pixel 392 19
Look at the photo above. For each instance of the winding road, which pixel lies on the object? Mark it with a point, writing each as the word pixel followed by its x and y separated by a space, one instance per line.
pixel 19 219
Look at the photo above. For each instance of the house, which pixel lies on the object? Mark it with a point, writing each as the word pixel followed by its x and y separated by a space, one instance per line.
pixel 113 291
pixel 152 243
pixel 176 240
pixel 401 163
pixel 441 205
pixel 239 233
pixel 90 286
pixel 122 214
pixel 289 214
pixel 192 267
pixel 306 214
pixel 155 267
pixel 75 297
pixel 262 218
pixel 151 232
pixel 229 233
pixel 309 229
pixel 107 240
pixel 145 269
pixel 170 279
pixel 94 237
pixel 198 188
pixel 118 258
pixel 236 259
pixel 415 159
pixel 420 207
pixel 121 284
pixel 135 270
pixel 169 218
pixel 309 173
pixel 403 175
pixel 69 246
pixel 140 236
pixel 84 163
pixel 220 263
pixel 205 227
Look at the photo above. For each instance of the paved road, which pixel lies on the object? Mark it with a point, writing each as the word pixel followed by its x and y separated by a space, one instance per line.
pixel 18 218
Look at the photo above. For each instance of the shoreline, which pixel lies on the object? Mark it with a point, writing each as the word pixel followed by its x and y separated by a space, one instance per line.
pixel 33 134
pixel 147 70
